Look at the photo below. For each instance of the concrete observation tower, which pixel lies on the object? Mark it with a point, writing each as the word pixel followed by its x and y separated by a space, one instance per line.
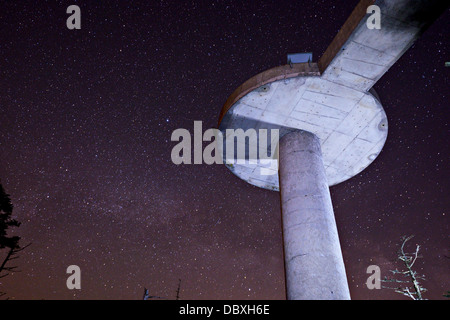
pixel 331 126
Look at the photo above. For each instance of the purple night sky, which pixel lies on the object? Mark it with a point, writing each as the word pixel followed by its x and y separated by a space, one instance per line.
pixel 86 118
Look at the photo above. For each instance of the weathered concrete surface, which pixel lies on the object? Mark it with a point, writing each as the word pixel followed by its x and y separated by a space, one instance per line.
pixel 332 99
pixel 358 56
pixel 334 102
pixel 351 125
pixel 313 259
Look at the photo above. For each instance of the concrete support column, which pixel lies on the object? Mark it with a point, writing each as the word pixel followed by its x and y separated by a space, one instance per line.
pixel 313 259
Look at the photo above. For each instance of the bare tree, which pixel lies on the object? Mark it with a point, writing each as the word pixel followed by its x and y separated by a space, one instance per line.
pixel 408 283
pixel 12 255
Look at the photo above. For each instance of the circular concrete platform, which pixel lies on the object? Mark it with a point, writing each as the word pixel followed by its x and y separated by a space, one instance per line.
pixel 351 124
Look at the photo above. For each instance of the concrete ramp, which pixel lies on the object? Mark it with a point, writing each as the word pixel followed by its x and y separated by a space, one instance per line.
pixel 358 56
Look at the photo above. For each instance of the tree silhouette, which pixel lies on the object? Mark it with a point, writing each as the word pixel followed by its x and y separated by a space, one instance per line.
pixel 10 243
pixel 6 221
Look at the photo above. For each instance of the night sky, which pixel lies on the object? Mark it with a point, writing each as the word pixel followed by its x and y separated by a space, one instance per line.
pixel 86 118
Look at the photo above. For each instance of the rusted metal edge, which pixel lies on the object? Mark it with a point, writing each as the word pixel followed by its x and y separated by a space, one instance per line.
pixel 268 76
pixel 344 33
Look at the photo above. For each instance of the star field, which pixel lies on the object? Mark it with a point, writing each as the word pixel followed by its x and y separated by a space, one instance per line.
pixel 86 118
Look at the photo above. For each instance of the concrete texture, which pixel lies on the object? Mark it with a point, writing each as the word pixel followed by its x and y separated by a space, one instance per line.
pixel 313 259
pixel 358 56
pixel 332 126
pixel 350 124
pixel 332 99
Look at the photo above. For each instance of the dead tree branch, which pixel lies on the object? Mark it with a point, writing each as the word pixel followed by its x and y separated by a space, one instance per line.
pixel 415 290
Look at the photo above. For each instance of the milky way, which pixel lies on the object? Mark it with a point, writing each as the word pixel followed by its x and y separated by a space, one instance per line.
pixel 86 118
